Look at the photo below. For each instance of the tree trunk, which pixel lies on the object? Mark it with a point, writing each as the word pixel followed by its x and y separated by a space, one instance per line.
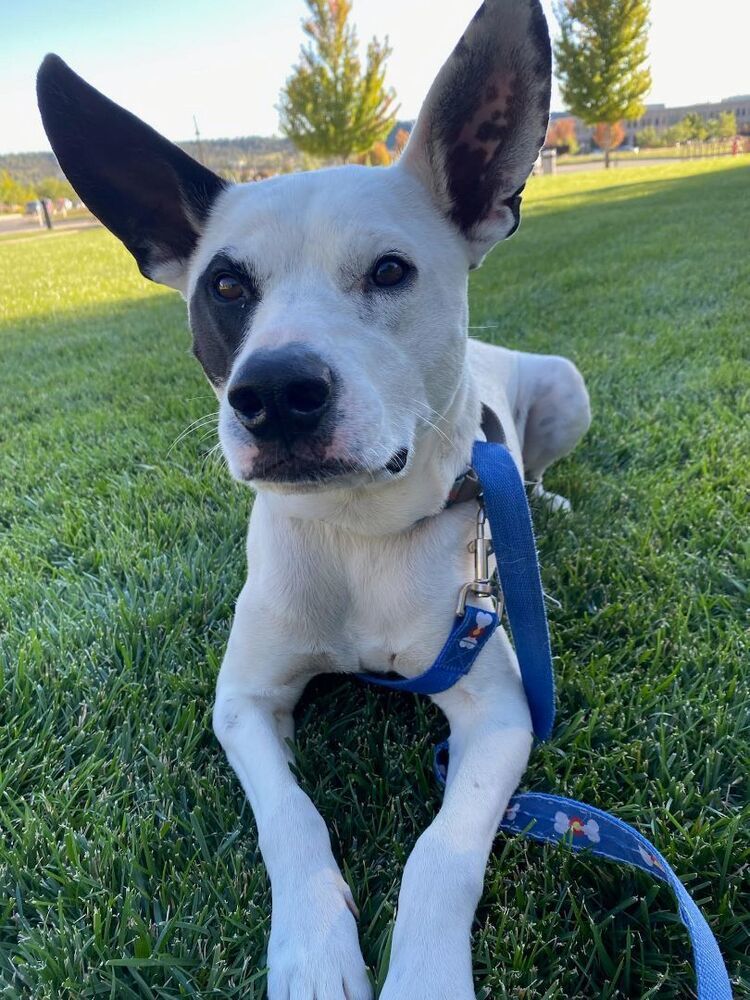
pixel 606 158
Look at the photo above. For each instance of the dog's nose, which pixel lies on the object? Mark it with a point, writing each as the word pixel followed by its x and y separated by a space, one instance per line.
pixel 282 392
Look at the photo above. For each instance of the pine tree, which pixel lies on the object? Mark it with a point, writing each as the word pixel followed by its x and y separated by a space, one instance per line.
pixel 601 59
pixel 330 106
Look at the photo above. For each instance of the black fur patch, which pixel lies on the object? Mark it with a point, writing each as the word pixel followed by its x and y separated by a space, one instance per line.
pixel 219 328
pixel 461 47
pixel 478 164
pixel 489 131
pixel 514 204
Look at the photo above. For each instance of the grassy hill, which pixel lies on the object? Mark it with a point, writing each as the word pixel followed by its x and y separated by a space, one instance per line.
pixel 229 157
pixel 237 158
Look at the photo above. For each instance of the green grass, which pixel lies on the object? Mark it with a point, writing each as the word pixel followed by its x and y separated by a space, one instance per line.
pixel 129 865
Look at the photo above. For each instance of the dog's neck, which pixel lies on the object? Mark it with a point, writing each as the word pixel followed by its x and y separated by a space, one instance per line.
pixel 441 453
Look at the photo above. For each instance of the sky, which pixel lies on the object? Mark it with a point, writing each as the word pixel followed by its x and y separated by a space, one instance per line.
pixel 225 62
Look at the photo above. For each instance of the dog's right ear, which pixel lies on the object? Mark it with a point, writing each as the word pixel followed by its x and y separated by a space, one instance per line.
pixel 147 191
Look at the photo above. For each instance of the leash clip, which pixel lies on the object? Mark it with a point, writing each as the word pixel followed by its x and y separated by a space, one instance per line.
pixel 484 584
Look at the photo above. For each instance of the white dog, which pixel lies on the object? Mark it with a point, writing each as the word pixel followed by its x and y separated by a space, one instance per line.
pixel 329 311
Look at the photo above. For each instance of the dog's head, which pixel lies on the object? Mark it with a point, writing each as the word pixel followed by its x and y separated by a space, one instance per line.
pixel 328 308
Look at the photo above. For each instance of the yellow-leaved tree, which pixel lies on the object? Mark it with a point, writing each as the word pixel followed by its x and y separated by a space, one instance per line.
pixel 332 106
pixel 601 59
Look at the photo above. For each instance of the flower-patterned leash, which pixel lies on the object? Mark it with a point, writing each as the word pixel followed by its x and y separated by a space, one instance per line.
pixel 549 818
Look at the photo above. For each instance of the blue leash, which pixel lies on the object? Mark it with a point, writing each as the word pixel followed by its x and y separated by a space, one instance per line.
pixel 548 818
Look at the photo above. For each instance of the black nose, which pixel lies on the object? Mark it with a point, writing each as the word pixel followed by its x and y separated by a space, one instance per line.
pixel 282 392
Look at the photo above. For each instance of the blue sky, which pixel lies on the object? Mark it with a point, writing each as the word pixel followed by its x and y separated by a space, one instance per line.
pixel 168 60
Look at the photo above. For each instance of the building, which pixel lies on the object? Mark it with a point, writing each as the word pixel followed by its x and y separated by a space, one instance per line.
pixel 660 117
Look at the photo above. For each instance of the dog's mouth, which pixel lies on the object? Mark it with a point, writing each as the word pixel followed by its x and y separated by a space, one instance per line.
pixel 398 462
pixel 307 472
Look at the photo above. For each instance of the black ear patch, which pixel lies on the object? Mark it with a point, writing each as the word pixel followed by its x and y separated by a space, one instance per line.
pixel 484 120
pixel 479 122
pixel 147 191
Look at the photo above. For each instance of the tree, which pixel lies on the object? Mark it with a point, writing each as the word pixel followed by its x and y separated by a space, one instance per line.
pixel 676 134
pixel 400 140
pixel 562 135
pixel 712 128
pixel 13 193
pixel 727 125
pixel 608 137
pixel 378 156
pixel 694 126
pixel 54 187
pixel 650 138
pixel 331 106
pixel 601 59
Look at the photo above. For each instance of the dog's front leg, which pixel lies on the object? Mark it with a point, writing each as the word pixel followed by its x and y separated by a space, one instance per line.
pixel 313 951
pixel 490 743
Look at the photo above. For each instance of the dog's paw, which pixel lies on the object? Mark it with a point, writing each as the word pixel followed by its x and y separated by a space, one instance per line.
pixel 553 501
pixel 313 952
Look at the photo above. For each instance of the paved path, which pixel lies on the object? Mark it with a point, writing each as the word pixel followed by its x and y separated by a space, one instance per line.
pixel 574 168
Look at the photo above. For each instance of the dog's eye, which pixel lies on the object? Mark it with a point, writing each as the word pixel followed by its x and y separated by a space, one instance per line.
pixel 228 288
pixel 389 271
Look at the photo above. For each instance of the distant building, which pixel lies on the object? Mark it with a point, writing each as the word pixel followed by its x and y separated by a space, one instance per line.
pixel 660 117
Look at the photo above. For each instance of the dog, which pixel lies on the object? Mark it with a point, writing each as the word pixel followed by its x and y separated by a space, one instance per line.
pixel 329 311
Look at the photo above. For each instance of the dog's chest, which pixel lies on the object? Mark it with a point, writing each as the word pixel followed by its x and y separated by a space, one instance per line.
pixel 401 594
pixel 351 603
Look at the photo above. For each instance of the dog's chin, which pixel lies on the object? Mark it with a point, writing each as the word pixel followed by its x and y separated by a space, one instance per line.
pixel 292 474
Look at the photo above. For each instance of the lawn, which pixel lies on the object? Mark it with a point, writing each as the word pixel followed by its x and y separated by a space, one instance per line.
pixel 687 151
pixel 129 865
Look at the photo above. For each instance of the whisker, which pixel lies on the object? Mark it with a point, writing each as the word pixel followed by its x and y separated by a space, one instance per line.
pixel 194 425
pixel 430 423
pixel 214 456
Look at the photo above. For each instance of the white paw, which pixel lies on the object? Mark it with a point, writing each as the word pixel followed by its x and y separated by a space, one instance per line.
pixel 313 951
pixel 552 500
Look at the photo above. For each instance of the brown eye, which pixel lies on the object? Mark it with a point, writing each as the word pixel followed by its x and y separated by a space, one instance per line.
pixel 228 288
pixel 389 271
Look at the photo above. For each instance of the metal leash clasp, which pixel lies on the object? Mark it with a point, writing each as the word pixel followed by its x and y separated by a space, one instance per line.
pixel 484 584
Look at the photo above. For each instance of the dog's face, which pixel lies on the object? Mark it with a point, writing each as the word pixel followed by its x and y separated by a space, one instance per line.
pixel 328 308
pixel 333 328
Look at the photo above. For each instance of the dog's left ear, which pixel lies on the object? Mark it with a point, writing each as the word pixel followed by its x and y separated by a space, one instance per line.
pixel 147 191
pixel 484 121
